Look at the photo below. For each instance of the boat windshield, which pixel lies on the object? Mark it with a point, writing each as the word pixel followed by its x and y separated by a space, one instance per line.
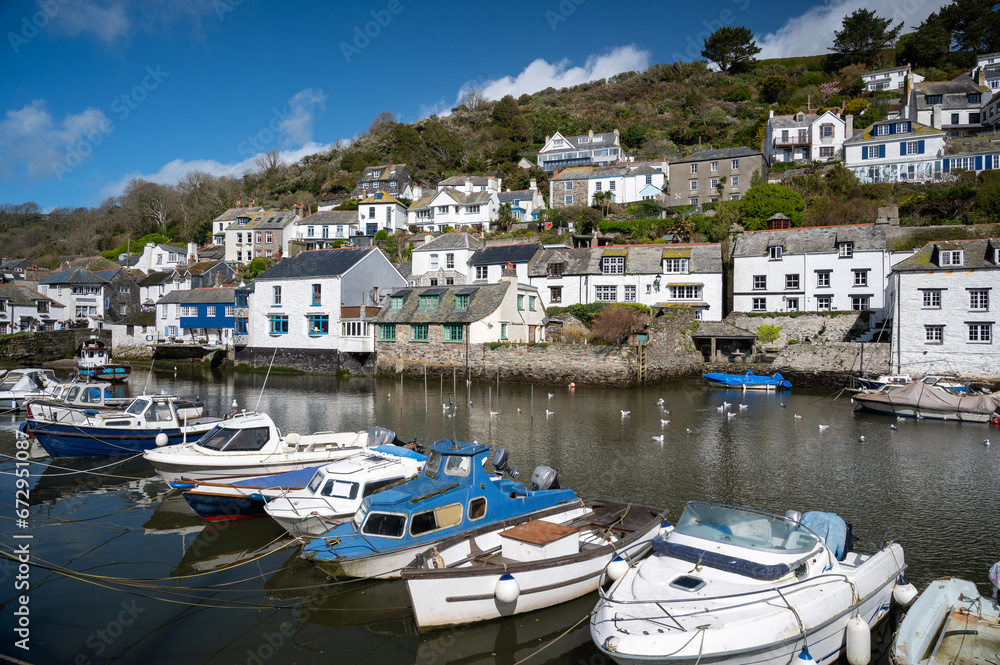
pixel 745 528
pixel 137 407
pixel 230 439
pixel 384 524
pixel 339 489
pixel 314 482
pixel 7 386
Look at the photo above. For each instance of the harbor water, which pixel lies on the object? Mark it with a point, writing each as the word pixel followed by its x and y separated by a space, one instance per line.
pixel 124 572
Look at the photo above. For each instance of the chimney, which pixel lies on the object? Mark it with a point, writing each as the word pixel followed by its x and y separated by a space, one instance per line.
pixel 428 238
pixel 848 125
pixel 770 114
pixel 509 273
pixel 192 253
pixel 981 79
pixel 468 185
pixel 533 185
pixel 493 184
pixel 547 137
pixel 218 279
pixel 590 135
pixel 936 117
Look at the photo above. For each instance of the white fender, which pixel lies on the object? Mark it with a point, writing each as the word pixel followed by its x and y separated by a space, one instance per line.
pixel 859 641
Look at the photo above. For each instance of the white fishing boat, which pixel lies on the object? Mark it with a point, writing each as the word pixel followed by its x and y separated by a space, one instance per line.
pixel 502 570
pixel 951 623
pixel 252 446
pixel 731 586
pixel 335 491
pixel 20 385
pixel 74 402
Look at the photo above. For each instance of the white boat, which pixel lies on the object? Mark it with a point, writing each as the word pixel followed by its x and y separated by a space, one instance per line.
pixel 539 563
pixel 252 446
pixel 951 623
pixel 733 586
pixel 20 385
pixel 335 491
pixel 73 402
pixel 923 400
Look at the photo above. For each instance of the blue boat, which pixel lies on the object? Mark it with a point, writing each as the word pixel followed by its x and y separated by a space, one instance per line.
pixel 218 501
pixel 454 494
pixel 748 381
pixel 95 363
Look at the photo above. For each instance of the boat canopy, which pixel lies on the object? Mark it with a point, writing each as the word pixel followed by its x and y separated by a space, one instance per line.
pixel 932 398
pixel 748 379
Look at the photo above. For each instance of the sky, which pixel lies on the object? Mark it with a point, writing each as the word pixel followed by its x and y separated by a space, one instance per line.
pixel 94 93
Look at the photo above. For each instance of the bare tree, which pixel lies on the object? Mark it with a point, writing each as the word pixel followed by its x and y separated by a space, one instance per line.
pixel 270 166
pixel 380 119
pixel 473 99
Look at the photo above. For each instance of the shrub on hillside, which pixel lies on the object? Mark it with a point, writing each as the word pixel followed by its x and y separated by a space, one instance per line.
pixel 614 323
pixel 763 201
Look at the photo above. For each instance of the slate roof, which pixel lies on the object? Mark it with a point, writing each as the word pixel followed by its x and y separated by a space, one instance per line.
pixel 73 276
pixel 451 241
pixel 793 120
pixel 917 129
pixel 459 181
pixel 271 219
pixel 600 139
pixel 644 169
pixel 484 300
pixel 17 294
pixel 16 264
pixel 156 278
pixel 211 296
pixel 811 239
pixel 110 273
pixel 140 319
pixel 573 173
pixel 204 266
pixel 504 254
pixel 886 71
pixel 722 329
pixel 516 195
pixel 405 270
pixel 389 172
pixel 640 259
pixel 464 198
pixel 953 94
pixel 978 253
pixel 317 263
pixel 330 218
pixel 173 248
pixel 726 153
pixel 378 197
pixel 233 213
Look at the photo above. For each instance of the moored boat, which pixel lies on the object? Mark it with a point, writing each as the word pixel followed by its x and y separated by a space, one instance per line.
pixel 732 585
pixel 922 400
pixel 502 571
pixel 95 363
pixel 748 381
pixel 20 385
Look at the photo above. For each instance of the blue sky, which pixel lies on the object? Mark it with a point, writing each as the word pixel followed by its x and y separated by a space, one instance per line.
pixel 94 92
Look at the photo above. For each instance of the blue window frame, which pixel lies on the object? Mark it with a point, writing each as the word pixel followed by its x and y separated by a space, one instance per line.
pixel 242 299
pixel 317 294
pixel 277 324
pixel 242 325
pixel 319 324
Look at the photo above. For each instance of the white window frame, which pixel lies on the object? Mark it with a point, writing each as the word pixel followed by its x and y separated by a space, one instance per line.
pixel 758 305
pixel 606 293
pixel 980 333
pixel 933 334
pixel 979 299
pixel 932 299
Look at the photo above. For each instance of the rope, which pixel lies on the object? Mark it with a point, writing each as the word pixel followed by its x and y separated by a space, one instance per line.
pixel 50 465
pixel 555 639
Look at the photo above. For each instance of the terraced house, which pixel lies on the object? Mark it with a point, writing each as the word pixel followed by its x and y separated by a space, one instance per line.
pixel 24 308
pixel 714 175
pixel 392 179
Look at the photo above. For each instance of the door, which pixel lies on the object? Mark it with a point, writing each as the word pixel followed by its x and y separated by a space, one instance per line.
pixel 531 334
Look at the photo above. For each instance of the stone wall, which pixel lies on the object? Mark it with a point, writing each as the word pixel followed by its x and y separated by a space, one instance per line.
pixel 316 361
pixel 809 326
pixel 830 364
pixel 35 347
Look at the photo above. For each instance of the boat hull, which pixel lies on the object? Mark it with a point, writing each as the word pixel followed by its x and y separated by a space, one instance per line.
pixel 231 468
pixel 311 526
pixel 106 372
pixel 906 411
pixel 224 507
pixel 61 440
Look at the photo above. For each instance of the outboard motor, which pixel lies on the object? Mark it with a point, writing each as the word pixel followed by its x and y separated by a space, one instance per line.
pixel 499 461
pixel 544 478
pixel 995 579
pixel 378 436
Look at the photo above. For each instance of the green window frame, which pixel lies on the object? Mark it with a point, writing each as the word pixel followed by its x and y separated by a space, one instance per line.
pixel 387 332
pixel 531 303
pixel 318 324
pixel 520 302
pixel 503 331
pixel 419 332
pixel 428 302
pixel 454 332
pixel 462 302
pixel 396 302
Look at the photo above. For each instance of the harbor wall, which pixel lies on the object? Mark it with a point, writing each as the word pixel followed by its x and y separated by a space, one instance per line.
pixel 37 347
pixel 318 361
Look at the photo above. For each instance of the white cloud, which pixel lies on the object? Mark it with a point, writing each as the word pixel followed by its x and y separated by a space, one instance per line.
pixel 172 172
pixel 32 138
pixel 298 123
pixel 105 19
pixel 811 33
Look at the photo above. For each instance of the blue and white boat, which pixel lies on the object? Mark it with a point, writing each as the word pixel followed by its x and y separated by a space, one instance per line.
pixel 454 494
pixel 349 479
pixel 95 363
pixel 149 421
pixel 748 381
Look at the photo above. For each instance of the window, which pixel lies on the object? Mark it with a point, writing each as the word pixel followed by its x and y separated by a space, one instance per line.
pixel 685 292
pixel 955 119
pixel 473 209
pixel 649 179
pixel 759 282
pixel 611 186
pixel 555 294
pixel 121 309
pixel 630 293
pixel 188 310
pixel 846 249
pixel 434 281
pixel 242 299
pixel 449 261
pixel 317 292
pixel 387 332
pixel 675 265
pixel 434 261
pixel 210 311
pixel 823 304
pixel 714 167
pixel 791 281
pixel 318 324
pixel 979 299
pixel 932 299
pixel 568 186
pixel 418 332
pixel 481 272
pixel 713 183
pixel 860 278
pixel 230 310
pixel 734 181
pixel 826 152
pixel 396 302
pixel 520 301
pixel 555 269
pixel 774 251
pixel 428 302
pixel 826 131
pixel 933 334
pixel 453 332
pixel 269 237
pixel 950 257
pixel 759 305
pixel 597 186
pixel 163 312
pixel 693 201
pixel 735 165
pixel 259 237
pixel 568 199
pixel 606 293
pixel 693 185
pixel 792 305
pixel 694 169
pixel 823 279
pixel 981 333
pixel 277 324
pixel 503 331
pixel 276 296
pixel 242 325
pixel 613 265
pixel 123 289
pixel 859 303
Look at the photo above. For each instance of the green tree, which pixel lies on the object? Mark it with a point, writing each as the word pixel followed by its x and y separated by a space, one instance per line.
pixel 508 122
pixel 773 87
pixel 732 48
pixel 505 218
pixel 974 25
pixel 255 267
pixel 927 45
pixel 763 201
pixel 864 34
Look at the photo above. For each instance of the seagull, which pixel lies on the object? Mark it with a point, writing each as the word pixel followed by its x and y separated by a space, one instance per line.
pixel 861 438
pixel 986 442
pixel 388 396
pixel 658 438
pixel 726 404
pixel 893 427
pixel 899 418
pixel 470 402
pixel 688 430
pixel 625 413
pixel 235 404
pixel 519 409
pixel 660 401
pixel 444 406
pixel 551 395
pixel 720 409
pixel 824 427
pixel 798 416
pixel 781 404
pixel 548 413
pixel 494 414
pixel 175 368
pixel 744 406
pixel 731 415
pixel 664 423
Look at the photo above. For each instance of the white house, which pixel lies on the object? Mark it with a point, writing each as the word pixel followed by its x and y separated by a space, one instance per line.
pixel 223 221
pixel 381 211
pixel 953 106
pixel 808 137
pixel 988 60
pixel 653 275
pixel 164 257
pixel 81 291
pixel 24 308
pixel 489 264
pixel 895 150
pixel 321 229
pixel 444 260
pixel 888 79
pixel 944 316
pixel 320 301
pixel 560 152
pixel 392 179
pixel 622 183
pixel 475 204
pixel 525 204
